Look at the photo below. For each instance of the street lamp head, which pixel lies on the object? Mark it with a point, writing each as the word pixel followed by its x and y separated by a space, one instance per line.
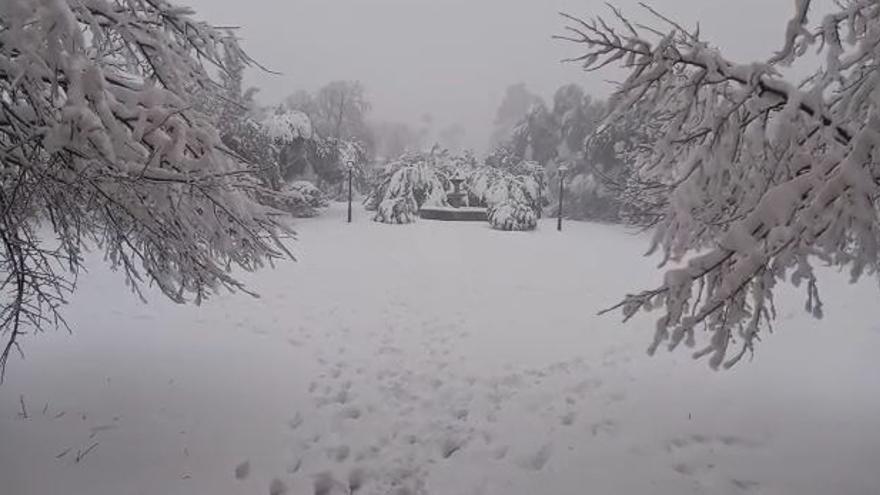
pixel 563 169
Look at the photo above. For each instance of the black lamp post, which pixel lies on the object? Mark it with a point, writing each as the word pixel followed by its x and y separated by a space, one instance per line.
pixel 562 170
pixel 350 170
pixel 540 195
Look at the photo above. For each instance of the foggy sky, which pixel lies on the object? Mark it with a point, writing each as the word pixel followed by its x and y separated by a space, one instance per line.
pixel 453 59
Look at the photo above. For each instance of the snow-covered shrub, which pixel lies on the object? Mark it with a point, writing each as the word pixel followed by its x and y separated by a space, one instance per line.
pixel 313 196
pixel 512 215
pixel 299 198
pixel 380 178
pixel 409 188
pixel 512 202
pixel 289 201
pixel 399 209
pixel 303 153
pixel 479 182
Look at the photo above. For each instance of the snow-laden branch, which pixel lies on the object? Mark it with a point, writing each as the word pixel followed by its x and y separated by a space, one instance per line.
pixel 763 176
pixel 100 141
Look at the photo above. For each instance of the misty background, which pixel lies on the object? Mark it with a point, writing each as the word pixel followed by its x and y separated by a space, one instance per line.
pixel 439 63
pixel 438 328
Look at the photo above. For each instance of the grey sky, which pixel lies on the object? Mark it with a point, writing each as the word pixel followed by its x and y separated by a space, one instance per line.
pixel 453 58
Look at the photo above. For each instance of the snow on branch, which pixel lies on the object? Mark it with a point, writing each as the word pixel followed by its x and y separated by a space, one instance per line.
pixel 763 177
pixel 100 142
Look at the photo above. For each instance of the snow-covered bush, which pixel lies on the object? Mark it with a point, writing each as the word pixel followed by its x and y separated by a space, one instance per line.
pixel 479 182
pixel 512 202
pixel 300 199
pixel 397 209
pixel 313 196
pixel 101 141
pixel 512 215
pixel 408 189
pixel 291 139
pixel 302 153
pixel 379 179
pixel 764 176
pixel 290 202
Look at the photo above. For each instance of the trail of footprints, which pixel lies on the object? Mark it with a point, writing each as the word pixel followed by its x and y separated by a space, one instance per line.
pixel 697 457
pixel 385 411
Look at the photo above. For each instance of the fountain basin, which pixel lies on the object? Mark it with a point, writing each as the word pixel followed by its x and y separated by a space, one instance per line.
pixel 451 214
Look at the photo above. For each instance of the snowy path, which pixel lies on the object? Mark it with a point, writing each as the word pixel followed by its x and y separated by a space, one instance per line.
pixel 437 358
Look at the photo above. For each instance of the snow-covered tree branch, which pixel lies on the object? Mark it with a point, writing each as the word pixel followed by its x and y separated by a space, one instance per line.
pixel 100 142
pixel 764 177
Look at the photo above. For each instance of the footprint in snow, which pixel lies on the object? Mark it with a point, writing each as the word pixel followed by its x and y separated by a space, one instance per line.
pixel 745 485
pixel 356 479
pixel 326 484
pixel 296 421
pixel 696 455
pixel 243 470
pixel 450 445
pixel 350 412
pixel 607 426
pixel 277 487
pixel 338 453
pixel 294 467
pixel 537 460
pixel 500 452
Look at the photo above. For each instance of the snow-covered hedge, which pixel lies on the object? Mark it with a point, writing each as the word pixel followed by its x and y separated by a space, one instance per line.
pixel 312 195
pixel 400 209
pixel 512 200
pixel 511 215
pixel 288 201
pixel 299 198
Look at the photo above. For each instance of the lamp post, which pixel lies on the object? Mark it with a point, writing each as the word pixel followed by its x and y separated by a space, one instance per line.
pixel 350 170
pixel 540 193
pixel 562 170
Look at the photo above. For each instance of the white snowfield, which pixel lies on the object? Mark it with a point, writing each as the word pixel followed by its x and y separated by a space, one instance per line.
pixel 440 358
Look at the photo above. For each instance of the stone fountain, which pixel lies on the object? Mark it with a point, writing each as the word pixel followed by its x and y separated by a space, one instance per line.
pixel 458 209
pixel 456 198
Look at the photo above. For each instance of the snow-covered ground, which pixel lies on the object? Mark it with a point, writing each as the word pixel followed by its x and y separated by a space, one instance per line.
pixel 442 358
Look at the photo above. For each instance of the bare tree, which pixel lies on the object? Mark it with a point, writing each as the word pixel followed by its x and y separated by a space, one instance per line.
pixel 515 105
pixel 340 110
pixel 100 145
pixel 764 177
